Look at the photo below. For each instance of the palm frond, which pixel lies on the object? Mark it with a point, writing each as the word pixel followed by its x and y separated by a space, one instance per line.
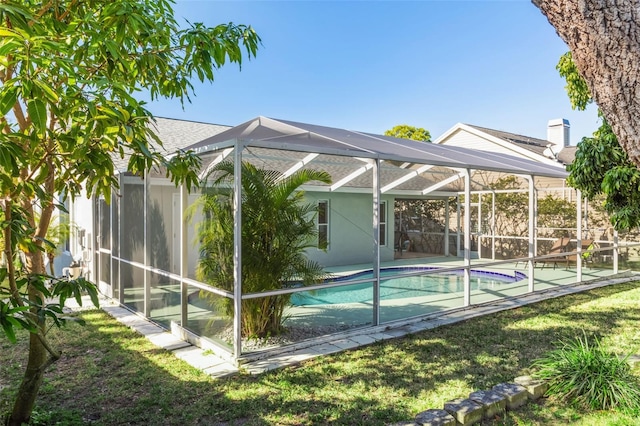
pixel 277 228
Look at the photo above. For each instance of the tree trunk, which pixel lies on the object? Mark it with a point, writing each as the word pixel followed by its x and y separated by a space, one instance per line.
pixel 604 39
pixel 30 382
pixel 51 257
pixel 39 357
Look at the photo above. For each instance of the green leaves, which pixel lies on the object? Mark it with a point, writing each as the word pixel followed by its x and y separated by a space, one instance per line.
pixel 585 373
pixel 9 161
pixel 602 168
pixel 66 289
pixel 14 316
pixel 46 91
pixel 73 72
pixel 404 131
pixel 38 113
pixel 8 98
pixel 183 168
pixel 10 321
pixel 277 228
pixel 576 87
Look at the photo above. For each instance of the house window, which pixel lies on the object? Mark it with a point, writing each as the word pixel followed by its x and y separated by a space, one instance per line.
pixel 383 223
pixel 323 224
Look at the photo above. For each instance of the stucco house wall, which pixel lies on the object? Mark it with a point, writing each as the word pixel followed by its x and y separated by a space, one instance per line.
pixel 350 239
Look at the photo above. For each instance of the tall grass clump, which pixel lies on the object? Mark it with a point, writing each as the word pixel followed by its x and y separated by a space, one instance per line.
pixel 587 374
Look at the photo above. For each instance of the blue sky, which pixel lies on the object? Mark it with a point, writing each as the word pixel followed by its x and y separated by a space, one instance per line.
pixel 369 65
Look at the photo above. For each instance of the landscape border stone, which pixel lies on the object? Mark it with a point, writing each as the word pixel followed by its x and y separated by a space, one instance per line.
pixel 515 394
pixel 535 388
pixel 465 411
pixel 435 418
pixel 482 404
pixel 493 402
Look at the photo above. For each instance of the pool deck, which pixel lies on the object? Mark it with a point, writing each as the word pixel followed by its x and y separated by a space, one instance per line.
pixel 550 283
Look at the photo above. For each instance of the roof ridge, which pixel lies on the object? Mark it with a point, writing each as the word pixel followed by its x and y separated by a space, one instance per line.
pixel 191 121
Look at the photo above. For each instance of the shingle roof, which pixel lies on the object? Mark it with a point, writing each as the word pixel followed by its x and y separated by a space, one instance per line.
pixel 341 169
pixel 531 144
pixel 176 134
pixel 538 146
pixel 567 155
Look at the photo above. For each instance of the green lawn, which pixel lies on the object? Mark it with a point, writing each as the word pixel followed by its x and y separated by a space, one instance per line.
pixel 109 375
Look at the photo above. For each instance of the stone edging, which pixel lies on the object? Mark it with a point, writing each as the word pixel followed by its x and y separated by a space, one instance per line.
pixel 482 404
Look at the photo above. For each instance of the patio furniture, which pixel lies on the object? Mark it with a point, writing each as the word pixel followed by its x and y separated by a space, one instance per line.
pixel 559 247
pixel 587 255
pixel 562 245
pixel 403 243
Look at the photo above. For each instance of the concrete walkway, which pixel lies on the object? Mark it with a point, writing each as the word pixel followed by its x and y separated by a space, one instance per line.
pixel 295 353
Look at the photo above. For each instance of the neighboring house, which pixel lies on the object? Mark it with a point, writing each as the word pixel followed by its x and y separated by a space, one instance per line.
pixel 555 150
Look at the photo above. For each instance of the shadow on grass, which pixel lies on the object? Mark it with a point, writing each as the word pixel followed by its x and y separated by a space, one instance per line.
pixel 110 375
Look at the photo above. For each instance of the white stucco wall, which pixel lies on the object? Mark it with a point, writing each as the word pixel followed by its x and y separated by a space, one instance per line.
pixel 81 219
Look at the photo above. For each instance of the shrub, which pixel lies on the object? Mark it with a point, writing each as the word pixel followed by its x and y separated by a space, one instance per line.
pixel 277 227
pixel 588 375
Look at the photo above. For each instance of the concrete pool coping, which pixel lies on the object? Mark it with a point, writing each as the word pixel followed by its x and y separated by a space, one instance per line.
pixel 273 358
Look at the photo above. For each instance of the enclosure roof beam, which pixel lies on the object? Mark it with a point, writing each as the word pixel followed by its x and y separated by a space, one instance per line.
pixel 405 178
pixel 225 153
pixel 443 183
pixel 300 164
pixel 368 166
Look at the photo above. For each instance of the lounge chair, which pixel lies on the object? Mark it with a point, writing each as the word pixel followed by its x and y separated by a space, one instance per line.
pixel 562 245
pixel 403 243
pixel 558 248
pixel 587 246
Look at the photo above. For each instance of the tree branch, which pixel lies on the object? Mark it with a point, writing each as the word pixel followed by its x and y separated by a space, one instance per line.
pixel 6 129
pixel 8 252
pixel 23 121
pixel 48 205
pixel 41 12
pixel 55 355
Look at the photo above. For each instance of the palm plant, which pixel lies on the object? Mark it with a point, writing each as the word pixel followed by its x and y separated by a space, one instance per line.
pixel 277 228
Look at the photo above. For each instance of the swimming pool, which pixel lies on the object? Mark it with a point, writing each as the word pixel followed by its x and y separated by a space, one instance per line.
pixel 404 287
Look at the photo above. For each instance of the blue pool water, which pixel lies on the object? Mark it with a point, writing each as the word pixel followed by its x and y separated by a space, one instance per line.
pixel 403 287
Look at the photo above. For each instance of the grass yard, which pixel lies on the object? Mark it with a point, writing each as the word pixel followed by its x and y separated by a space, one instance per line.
pixel 109 375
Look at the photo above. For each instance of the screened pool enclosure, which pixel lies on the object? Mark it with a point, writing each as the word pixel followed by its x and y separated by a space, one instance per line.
pixel 402 230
